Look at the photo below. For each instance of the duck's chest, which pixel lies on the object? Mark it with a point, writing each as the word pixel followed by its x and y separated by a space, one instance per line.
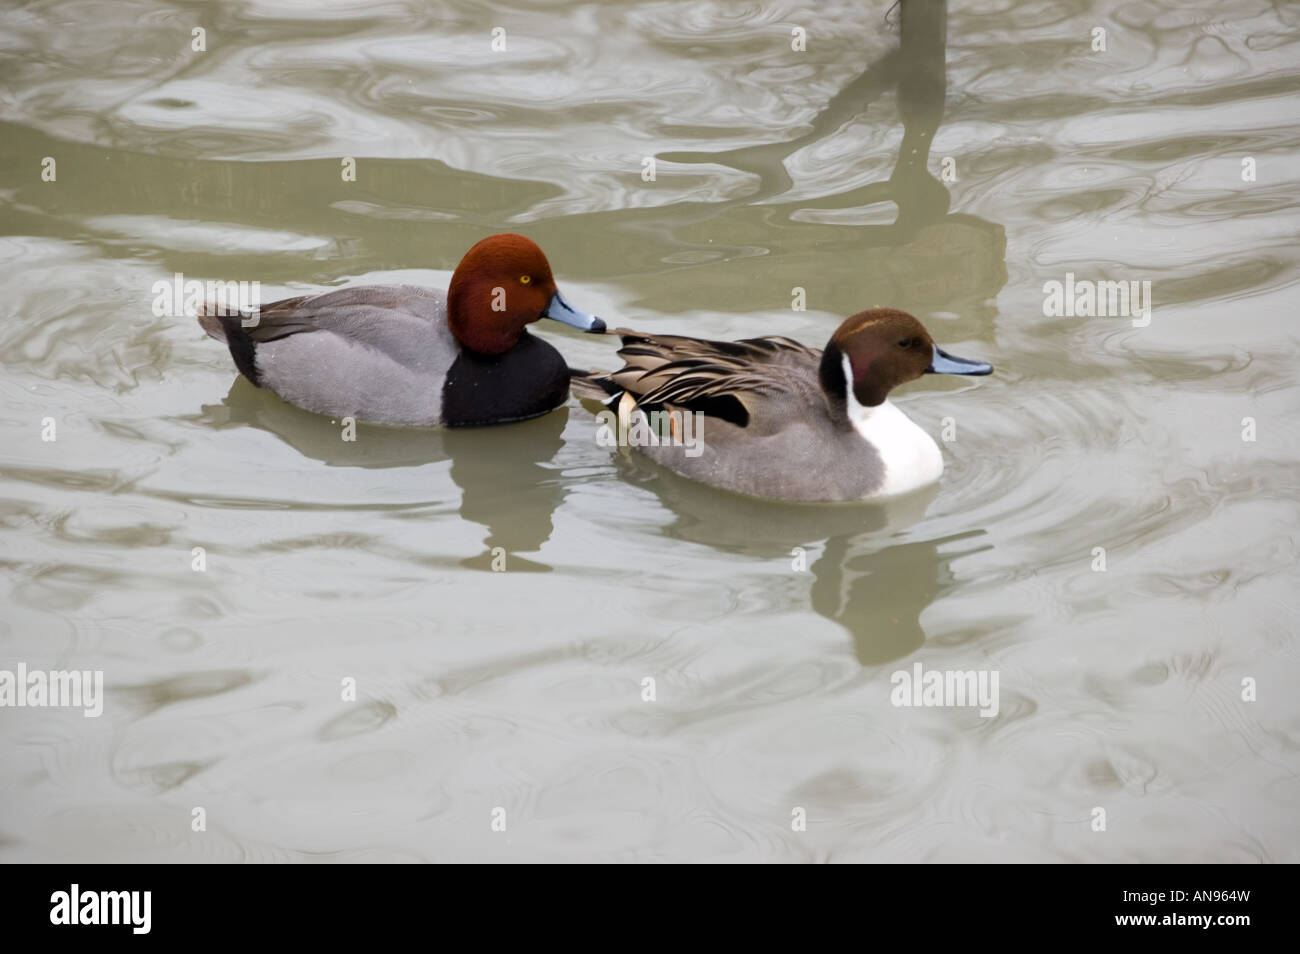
pixel 528 380
pixel 910 457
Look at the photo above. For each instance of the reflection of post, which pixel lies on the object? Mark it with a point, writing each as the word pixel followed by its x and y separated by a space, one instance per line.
pixel 918 70
pixel 919 254
pixel 921 87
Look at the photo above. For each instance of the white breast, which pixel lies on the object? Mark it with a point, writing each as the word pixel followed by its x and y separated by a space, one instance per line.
pixel 910 455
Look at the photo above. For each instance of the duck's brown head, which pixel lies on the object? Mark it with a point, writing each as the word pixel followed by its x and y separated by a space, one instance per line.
pixel 875 351
pixel 501 285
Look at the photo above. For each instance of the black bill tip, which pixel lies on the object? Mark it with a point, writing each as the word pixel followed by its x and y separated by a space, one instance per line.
pixel 560 310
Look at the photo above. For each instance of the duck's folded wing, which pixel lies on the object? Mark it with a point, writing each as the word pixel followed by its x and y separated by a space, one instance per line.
pixel 383 317
pixel 728 379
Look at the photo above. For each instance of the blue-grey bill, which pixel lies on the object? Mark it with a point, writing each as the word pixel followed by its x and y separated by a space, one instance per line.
pixel 945 363
pixel 561 310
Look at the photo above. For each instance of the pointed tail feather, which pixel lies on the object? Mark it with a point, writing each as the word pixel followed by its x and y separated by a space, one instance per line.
pixel 212 325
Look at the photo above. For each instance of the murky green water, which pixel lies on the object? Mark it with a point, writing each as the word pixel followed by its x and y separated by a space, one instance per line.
pixel 823 169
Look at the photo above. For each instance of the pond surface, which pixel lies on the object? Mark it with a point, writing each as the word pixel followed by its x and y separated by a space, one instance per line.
pixel 1115 534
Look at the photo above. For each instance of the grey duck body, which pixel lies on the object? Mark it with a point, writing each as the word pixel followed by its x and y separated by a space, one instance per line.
pixel 385 354
pixel 769 428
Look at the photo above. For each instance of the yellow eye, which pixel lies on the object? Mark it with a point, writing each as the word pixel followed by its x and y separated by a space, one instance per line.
pixel 525 279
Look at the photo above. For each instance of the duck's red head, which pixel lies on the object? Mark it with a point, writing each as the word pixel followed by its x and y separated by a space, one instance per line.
pixel 501 285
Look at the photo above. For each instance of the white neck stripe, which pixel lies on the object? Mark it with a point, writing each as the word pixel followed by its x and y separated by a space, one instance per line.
pixel 910 455
pixel 856 410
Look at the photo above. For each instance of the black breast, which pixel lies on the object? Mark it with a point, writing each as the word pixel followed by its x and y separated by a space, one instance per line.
pixel 527 381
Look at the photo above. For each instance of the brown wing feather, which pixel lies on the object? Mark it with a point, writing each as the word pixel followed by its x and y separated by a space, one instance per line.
pixel 671 369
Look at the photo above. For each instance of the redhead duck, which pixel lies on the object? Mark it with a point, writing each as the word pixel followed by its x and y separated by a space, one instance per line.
pixel 777 419
pixel 399 354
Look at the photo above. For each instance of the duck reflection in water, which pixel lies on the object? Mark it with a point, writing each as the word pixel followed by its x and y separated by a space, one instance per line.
pixel 867 577
pixel 504 473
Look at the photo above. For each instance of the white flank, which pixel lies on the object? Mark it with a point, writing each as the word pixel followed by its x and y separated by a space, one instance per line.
pixel 911 457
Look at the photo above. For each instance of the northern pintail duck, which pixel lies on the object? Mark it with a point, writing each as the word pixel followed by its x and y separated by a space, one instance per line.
pixel 781 420
pixel 400 354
